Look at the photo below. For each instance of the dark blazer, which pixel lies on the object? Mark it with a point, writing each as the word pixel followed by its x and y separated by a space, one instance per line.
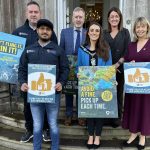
pixel 119 44
pixel 67 40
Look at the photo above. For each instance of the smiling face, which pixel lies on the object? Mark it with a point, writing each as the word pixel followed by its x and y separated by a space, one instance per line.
pixel 94 32
pixel 141 30
pixel 114 19
pixel 78 18
pixel 44 33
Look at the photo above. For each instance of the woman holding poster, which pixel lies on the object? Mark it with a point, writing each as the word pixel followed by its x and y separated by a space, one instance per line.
pixel 137 106
pixel 95 52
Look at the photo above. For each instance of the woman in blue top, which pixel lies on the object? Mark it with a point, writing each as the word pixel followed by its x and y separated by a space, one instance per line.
pixel 95 52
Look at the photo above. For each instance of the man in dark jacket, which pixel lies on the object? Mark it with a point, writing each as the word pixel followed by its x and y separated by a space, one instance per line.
pixel 44 51
pixel 28 31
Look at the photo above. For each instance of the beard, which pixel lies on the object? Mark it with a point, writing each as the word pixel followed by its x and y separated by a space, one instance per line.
pixel 44 39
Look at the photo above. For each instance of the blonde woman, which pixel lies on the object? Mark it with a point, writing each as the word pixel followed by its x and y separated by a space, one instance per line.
pixel 137 106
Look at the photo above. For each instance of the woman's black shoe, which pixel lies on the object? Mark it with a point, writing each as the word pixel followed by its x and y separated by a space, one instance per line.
pixel 96 146
pixel 140 147
pixel 132 144
pixel 90 146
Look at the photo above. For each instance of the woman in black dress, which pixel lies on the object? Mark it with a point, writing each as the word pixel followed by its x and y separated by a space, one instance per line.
pixel 118 39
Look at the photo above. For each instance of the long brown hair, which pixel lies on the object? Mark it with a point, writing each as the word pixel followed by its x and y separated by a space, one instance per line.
pixel 102 48
pixel 117 10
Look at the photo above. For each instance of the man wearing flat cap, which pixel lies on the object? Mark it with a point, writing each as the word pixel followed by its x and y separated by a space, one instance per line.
pixel 44 51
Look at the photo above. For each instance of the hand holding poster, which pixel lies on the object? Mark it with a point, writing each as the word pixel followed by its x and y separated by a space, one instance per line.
pixel 137 77
pixel 11 48
pixel 41 82
pixel 97 92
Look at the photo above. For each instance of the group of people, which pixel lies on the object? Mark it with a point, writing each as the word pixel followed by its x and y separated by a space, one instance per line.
pixel 100 47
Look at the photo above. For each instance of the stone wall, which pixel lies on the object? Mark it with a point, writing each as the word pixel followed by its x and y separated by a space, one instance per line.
pixel 12 13
pixel 133 9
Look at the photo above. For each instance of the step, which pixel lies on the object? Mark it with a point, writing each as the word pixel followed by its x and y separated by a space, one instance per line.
pixel 6 148
pixel 16 120
pixel 10 136
pixel 4 97
pixel 4 94
pixel 7 107
pixel 3 87
pixel 20 107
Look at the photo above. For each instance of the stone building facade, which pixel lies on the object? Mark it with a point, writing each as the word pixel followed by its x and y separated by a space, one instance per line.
pixel 12 12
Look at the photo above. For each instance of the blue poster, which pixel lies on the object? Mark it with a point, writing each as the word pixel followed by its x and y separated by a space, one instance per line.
pixel 137 77
pixel 97 96
pixel 11 48
pixel 41 82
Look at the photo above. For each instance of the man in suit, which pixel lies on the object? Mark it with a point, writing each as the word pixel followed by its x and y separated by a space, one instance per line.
pixel 71 39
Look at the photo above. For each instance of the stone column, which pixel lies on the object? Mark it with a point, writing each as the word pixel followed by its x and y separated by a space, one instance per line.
pixel 50 11
pixel 6 15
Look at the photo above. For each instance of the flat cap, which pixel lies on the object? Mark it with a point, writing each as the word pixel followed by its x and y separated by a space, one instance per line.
pixel 45 22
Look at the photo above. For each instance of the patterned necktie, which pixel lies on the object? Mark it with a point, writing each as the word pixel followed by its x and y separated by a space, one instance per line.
pixel 77 42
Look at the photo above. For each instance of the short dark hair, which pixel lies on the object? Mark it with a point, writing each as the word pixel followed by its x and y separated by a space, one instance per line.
pixel 33 3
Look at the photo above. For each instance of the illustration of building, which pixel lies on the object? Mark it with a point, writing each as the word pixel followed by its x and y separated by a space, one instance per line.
pixel 138 77
pixel 42 84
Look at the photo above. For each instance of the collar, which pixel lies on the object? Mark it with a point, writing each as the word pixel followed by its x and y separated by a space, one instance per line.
pixel 74 28
pixel 50 45
pixel 28 25
pixel 33 28
pixel 43 44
